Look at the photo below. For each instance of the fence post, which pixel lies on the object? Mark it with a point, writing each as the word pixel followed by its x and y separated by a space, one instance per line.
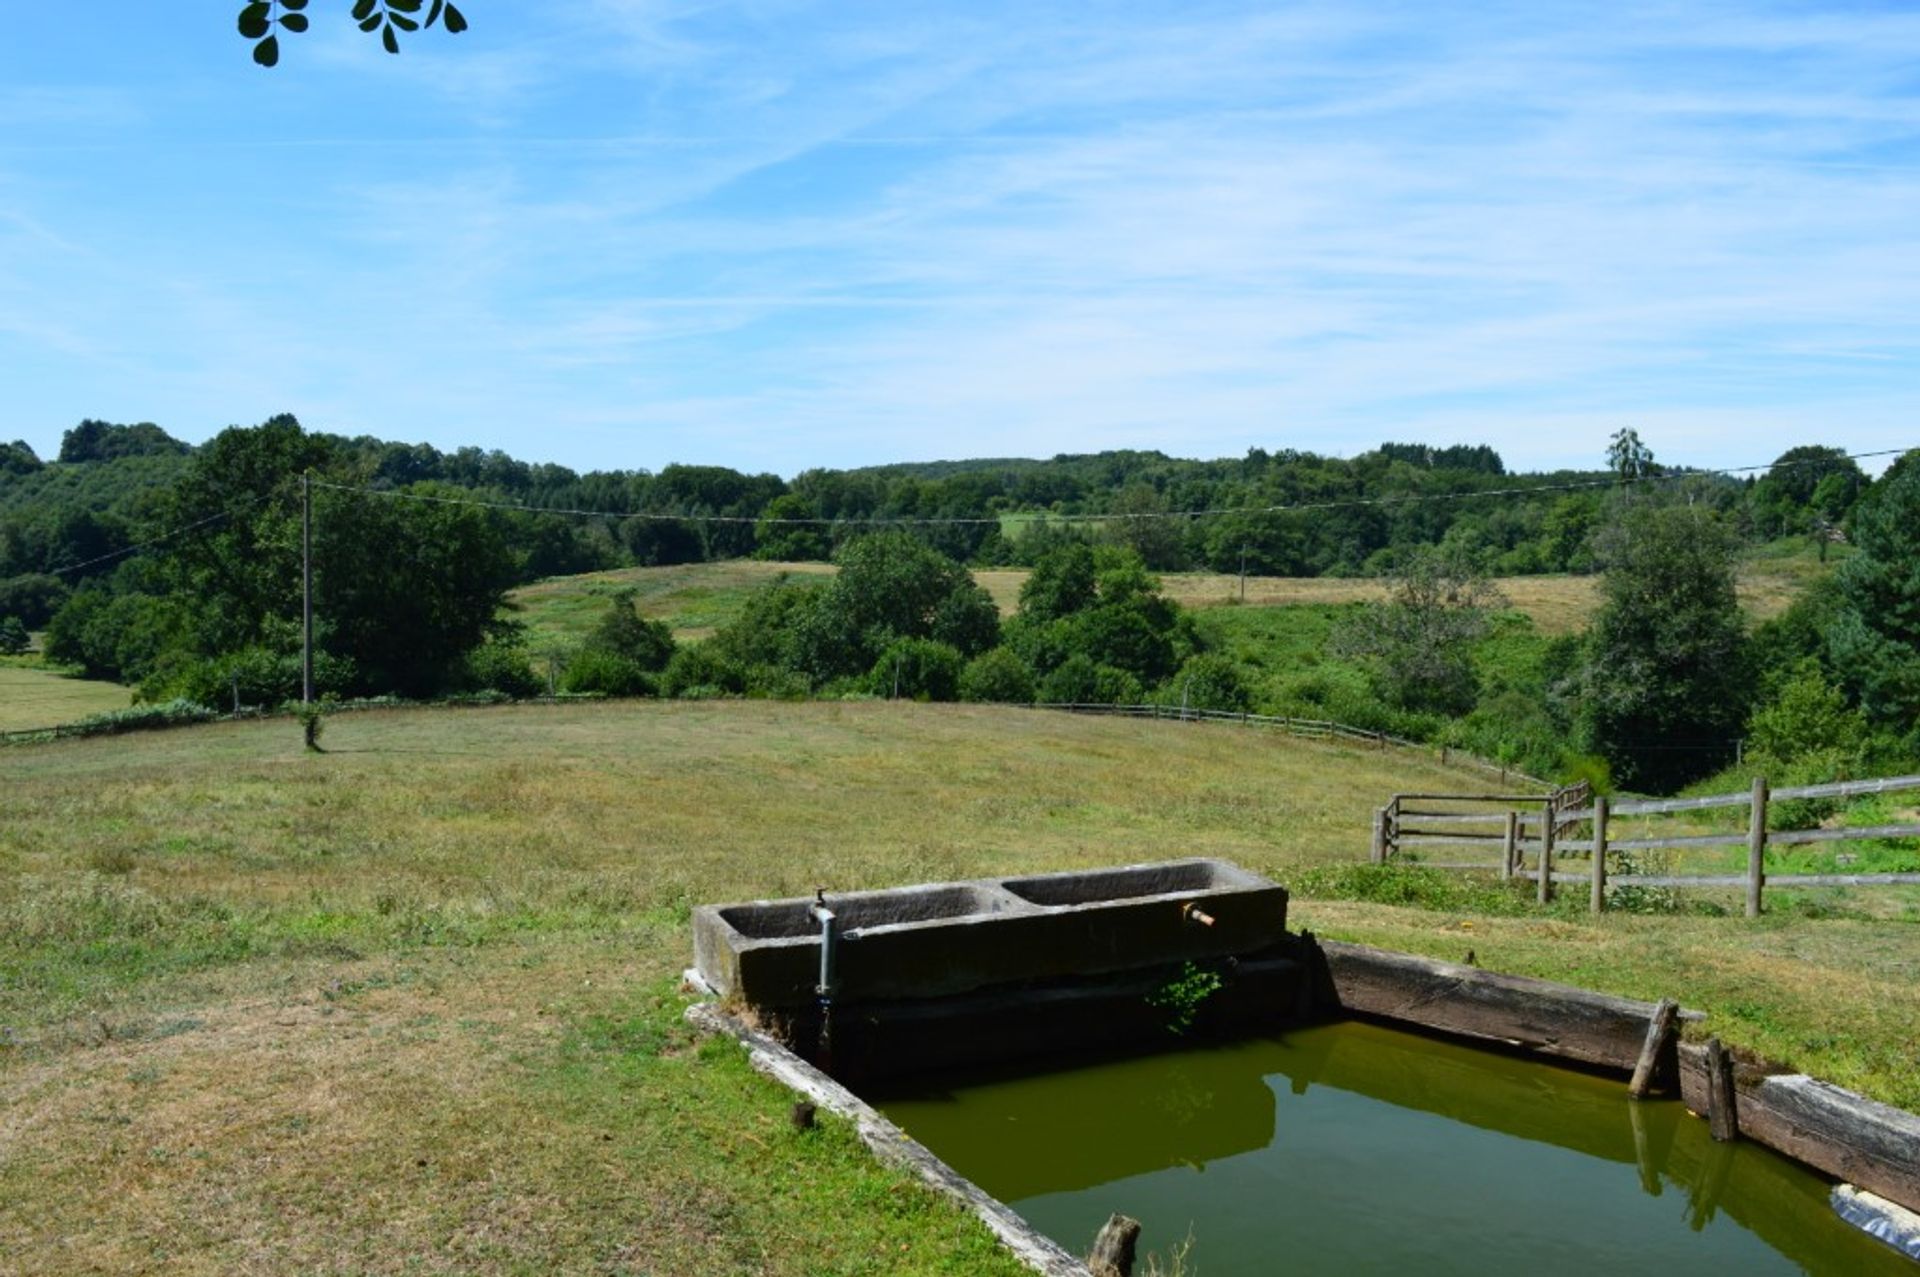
pixel 1379 836
pixel 1510 846
pixel 1597 901
pixel 1757 847
pixel 1545 892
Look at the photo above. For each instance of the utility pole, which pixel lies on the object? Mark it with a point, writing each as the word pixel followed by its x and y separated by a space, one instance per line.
pixel 306 587
pixel 1243 573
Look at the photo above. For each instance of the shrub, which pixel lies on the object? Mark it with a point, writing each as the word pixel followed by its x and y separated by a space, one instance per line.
pixel 701 670
pixel 598 671
pixel 919 670
pixel 1208 681
pixel 997 676
pixel 502 667
pixel 1081 680
pixel 33 598
pixel 13 636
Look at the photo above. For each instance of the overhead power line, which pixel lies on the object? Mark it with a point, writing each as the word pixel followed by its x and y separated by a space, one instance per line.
pixel 1407 498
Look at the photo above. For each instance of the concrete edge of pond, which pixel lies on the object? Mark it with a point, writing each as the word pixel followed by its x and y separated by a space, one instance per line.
pixel 888 1142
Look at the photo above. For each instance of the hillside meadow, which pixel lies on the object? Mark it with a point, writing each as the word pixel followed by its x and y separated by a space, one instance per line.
pixel 697 598
pixel 32 697
pixel 412 1005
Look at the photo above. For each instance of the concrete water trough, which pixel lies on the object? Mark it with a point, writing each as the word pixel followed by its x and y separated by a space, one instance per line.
pixel 943 939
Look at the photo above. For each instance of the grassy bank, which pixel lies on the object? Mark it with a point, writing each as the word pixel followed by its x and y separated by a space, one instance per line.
pixel 31 697
pixel 411 1005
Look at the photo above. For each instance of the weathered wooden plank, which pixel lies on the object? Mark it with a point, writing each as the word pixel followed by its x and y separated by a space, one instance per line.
pixel 1723 1117
pixel 891 1144
pixel 1776 880
pixel 1850 788
pixel 1113 1250
pixel 1794 836
pixel 1658 1042
pixel 1848 1136
pixel 1538 1015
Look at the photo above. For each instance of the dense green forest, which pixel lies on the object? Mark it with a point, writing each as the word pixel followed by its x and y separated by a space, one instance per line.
pixel 415 550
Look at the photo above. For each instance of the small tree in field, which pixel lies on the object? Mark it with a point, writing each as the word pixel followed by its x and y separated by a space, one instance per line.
pixel 1417 647
pixel 1663 693
pixel 13 636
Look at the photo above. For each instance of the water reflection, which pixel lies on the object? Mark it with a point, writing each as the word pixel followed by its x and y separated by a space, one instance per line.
pixel 1360 1148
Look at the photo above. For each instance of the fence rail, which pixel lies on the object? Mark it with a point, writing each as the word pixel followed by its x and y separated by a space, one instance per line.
pixel 1566 810
pixel 1311 728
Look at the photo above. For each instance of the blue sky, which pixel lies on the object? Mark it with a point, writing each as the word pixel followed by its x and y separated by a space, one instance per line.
pixel 778 235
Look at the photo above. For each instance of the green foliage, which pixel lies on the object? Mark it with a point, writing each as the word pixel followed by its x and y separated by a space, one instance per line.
pixel 1208 680
pixel 1418 646
pixel 1875 638
pixel 261 22
pixel 501 664
pixel 1184 995
pixel 1664 690
pixel 917 670
pixel 1805 485
pixel 624 633
pixel 1081 680
pixel 312 716
pixel 14 639
pixel 33 598
pixel 1404 883
pixel 790 542
pixel 18 458
pixel 699 670
pixel 1805 714
pixel 104 441
pixel 997 676
pixel 601 671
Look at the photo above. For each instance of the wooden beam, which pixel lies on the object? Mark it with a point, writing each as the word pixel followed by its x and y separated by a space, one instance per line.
pixel 1112 1254
pixel 1722 1119
pixel 1659 1037
pixel 1536 1015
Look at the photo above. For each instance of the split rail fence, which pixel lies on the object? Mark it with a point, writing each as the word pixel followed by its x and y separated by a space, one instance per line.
pixel 1538 829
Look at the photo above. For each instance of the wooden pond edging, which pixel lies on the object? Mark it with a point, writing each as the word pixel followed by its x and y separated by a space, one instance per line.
pixel 1861 1142
pixel 766 1054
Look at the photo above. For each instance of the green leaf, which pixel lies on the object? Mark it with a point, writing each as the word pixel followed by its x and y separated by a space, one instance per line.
pixel 295 5
pixel 433 14
pixel 388 38
pixel 370 22
pixel 295 22
pixel 405 6
pixel 362 10
pixel 456 21
pixel 402 21
pixel 253 21
pixel 267 52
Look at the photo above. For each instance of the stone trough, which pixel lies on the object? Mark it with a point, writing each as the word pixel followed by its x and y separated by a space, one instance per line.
pixel 944 939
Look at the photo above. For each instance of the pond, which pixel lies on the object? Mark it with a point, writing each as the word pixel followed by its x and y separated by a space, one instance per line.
pixel 1356 1149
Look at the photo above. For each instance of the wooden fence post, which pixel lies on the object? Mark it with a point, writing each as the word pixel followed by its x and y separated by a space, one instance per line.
pixel 1510 845
pixel 1757 847
pixel 1379 856
pixel 1545 892
pixel 1723 1118
pixel 1597 899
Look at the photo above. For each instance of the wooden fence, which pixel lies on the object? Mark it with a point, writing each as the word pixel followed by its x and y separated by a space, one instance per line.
pixel 1312 728
pixel 1538 827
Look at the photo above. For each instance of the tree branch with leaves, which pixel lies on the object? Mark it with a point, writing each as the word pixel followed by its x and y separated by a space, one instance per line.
pixel 263 20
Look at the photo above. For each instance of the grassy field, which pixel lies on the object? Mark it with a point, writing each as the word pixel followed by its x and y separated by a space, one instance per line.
pixel 31 697
pixel 697 598
pixel 411 1005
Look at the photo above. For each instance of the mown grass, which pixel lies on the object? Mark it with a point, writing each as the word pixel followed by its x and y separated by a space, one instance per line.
pixel 32 696
pixel 411 1005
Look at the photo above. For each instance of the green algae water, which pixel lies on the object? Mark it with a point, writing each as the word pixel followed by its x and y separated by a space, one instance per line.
pixel 1355 1149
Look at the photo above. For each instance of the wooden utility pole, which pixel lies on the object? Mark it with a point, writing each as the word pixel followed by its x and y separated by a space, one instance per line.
pixel 1757 847
pixel 1545 885
pixel 1243 574
pixel 306 588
